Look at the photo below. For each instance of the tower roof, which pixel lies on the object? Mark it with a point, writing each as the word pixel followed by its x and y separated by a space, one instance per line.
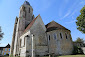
pixel 26 3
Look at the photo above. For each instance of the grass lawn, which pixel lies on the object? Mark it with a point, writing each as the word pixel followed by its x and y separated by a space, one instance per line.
pixel 72 56
pixel 69 56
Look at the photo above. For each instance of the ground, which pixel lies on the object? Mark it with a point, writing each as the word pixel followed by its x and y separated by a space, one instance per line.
pixel 63 56
pixel 71 56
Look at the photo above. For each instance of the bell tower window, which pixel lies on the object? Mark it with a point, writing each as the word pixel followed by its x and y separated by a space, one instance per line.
pixel 29 10
pixel 49 37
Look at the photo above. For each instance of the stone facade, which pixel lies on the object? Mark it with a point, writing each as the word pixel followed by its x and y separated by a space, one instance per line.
pixel 58 45
pixel 32 38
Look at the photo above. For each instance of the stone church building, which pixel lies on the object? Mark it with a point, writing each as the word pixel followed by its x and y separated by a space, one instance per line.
pixel 32 38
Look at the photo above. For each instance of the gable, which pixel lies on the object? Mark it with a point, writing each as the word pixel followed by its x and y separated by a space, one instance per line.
pixel 38 23
pixel 35 21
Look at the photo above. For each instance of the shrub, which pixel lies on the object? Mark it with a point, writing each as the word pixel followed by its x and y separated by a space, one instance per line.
pixel 77 50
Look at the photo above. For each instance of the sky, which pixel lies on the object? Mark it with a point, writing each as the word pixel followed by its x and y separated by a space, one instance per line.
pixel 63 12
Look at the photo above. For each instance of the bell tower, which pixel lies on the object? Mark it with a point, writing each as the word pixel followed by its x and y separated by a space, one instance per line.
pixel 24 19
pixel 26 11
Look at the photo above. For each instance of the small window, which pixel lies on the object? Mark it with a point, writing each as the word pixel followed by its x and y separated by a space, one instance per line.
pixel 61 35
pixel 24 41
pixel 20 42
pixel 9 49
pixel 9 53
pixel 5 49
pixel 29 10
pixel 66 35
pixel 5 53
pixel 54 36
pixel 49 37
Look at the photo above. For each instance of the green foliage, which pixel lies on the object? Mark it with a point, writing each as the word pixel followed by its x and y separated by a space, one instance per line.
pixel 79 40
pixel 81 21
pixel 1 34
pixel 11 55
pixel 77 50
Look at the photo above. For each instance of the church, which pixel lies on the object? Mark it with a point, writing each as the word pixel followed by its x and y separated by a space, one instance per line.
pixel 31 37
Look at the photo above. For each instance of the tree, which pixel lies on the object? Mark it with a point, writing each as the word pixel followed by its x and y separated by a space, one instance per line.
pixel 81 20
pixel 79 40
pixel 1 34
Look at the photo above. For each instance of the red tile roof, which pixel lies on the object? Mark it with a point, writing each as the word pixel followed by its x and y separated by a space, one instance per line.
pixel 29 26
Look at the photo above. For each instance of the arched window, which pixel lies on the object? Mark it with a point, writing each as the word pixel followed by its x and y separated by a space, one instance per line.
pixel 66 35
pixel 54 36
pixel 29 10
pixel 24 41
pixel 61 35
pixel 49 37
pixel 20 42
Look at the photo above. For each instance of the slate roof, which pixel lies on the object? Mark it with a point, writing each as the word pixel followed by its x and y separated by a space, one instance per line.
pixel 26 3
pixel 8 46
pixel 29 26
pixel 54 26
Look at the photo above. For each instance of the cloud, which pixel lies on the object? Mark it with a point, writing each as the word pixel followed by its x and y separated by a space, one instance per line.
pixel 62 6
pixel 66 15
pixel 82 2
pixel 72 17
pixel 45 4
pixel 75 10
pixel 71 21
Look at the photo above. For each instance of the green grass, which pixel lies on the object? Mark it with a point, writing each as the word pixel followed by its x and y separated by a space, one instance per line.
pixel 72 56
pixel 69 56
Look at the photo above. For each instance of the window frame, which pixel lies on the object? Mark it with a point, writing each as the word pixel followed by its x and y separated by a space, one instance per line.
pixel 24 41
pixel 5 49
pixel 49 37
pixel 29 10
pixel 66 36
pixel 54 36
pixel 61 35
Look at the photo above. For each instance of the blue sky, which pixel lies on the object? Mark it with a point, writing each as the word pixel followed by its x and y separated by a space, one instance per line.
pixel 63 12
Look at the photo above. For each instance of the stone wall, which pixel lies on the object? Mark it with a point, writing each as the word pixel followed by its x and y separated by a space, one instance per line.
pixel 83 48
pixel 39 31
pixel 60 46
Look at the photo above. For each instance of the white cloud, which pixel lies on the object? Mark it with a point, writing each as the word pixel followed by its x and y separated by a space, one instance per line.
pixel 62 6
pixel 72 17
pixel 66 15
pixel 71 21
pixel 82 2
pixel 45 4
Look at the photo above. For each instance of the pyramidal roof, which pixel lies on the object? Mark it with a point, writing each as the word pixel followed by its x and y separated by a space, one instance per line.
pixel 26 3
pixel 54 26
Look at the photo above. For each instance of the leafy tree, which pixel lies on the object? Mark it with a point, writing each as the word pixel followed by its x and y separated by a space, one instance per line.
pixel 77 50
pixel 1 34
pixel 81 20
pixel 79 40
